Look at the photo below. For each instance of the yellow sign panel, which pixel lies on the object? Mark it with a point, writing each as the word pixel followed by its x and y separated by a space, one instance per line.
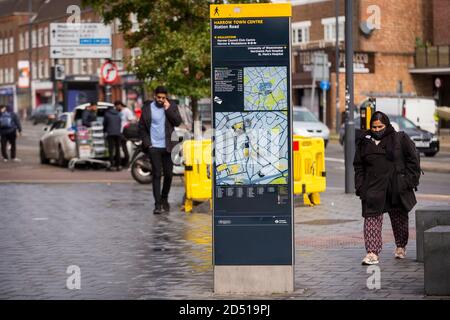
pixel 254 10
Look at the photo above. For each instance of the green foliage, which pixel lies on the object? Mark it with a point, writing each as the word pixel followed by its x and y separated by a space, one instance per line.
pixel 174 38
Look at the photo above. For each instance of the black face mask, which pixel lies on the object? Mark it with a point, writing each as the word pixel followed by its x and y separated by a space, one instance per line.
pixel 379 134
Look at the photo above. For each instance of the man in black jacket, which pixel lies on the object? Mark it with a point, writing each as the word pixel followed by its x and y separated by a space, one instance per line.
pixel 9 125
pixel 156 126
pixel 112 128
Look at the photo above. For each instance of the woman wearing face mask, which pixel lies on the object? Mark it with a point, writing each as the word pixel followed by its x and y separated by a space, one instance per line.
pixel 386 172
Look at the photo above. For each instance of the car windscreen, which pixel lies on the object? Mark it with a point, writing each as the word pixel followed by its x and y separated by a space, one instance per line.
pixel 304 116
pixel 404 123
pixel 79 115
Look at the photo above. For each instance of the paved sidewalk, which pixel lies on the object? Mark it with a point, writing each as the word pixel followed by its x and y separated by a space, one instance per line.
pixel 125 252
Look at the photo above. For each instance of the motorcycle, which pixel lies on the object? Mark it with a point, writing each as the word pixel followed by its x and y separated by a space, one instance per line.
pixel 141 168
pixel 140 165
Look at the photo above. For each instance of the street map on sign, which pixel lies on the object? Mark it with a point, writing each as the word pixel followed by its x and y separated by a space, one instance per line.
pixel 251 148
pixel 265 88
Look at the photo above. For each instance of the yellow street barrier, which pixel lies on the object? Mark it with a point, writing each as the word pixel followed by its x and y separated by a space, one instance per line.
pixel 308 161
pixel 197 172
pixel 309 168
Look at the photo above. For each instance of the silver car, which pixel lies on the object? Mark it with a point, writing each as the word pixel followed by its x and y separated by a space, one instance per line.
pixel 58 141
pixel 306 124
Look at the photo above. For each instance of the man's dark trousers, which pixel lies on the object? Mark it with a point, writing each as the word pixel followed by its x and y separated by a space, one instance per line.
pixel 161 161
pixel 123 143
pixel 114 150
pixel 11 138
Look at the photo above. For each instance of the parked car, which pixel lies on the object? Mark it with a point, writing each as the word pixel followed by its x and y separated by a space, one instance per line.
pixel 307 125
pixel 58 141
pixel 425 141
pixel 45 113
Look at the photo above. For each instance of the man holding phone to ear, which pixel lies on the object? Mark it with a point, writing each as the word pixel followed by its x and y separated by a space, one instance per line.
pixel 156 125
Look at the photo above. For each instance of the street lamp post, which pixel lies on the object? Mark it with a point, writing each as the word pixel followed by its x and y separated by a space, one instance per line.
pixel 337 59
pixel 349 97
pixel 30 55
pixel 30 49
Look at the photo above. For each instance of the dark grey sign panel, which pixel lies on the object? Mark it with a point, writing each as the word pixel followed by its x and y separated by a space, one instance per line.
pixel 252 197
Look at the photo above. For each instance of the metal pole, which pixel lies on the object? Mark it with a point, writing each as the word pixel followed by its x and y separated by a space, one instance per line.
pixel 338 122
pixel 349 122
pixel 313 85
pixel 30 55
pixel 108 93
pixel 55 84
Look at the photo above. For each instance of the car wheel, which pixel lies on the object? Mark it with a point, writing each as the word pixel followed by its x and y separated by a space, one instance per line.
pixel 62 162
pixel 430 154
pixel 35 122
pixel 44 159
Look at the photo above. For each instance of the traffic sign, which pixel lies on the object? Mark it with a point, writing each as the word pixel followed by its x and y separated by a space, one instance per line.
pixel 109 72
pixel 325 85
pixel 58 72
pixel 80 40
pixel 99 52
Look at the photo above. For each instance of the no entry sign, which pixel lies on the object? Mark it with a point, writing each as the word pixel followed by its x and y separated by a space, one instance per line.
pixel 109 72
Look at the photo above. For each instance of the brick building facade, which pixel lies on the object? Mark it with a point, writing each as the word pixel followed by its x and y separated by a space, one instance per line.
pixel 383 58
pixel 15 37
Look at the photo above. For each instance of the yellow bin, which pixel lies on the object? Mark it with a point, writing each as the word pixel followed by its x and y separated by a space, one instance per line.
pixel 309 168
pixel 197 172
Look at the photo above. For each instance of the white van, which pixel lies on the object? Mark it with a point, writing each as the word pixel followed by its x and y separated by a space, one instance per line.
pixel 420 111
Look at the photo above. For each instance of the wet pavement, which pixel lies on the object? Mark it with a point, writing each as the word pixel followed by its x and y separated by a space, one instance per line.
pixel 124 251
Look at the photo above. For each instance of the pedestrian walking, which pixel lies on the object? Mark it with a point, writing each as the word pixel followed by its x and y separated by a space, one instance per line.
pixel 10 128
pixel 112 128
pixel 387 171
pixel 127 116
pixel 156 126
pixel 89 114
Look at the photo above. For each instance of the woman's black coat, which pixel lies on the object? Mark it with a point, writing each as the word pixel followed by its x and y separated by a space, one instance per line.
pixel 383 184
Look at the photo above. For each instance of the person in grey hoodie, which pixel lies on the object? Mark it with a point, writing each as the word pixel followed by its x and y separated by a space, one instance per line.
pixel 112 127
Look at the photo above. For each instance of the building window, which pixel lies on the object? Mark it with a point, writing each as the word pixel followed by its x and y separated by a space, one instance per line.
pixel 27 40
pixel 21 41
pixel 11 75
pixel 119 56
pixel 89 66
pixel 67 66
pixel 75 66
pixel 46 37
pixel 134 22
pixel 11 45
pixel 300 32
pixel 6 75
pixel 40 69
pixel 1 46
pixel 329 28
pixel 34 68
pixel 1 75
pixel 46 69
pixel 40 38
pixel 5 46
pixel 117 25
pixel 84 66
pixel 33 39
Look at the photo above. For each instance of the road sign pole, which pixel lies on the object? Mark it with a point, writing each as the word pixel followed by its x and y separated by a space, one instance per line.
pixel 55 83
pixel 108 93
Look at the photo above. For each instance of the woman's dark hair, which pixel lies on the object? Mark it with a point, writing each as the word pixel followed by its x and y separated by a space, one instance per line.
pixel 161 89
pixel 378 115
